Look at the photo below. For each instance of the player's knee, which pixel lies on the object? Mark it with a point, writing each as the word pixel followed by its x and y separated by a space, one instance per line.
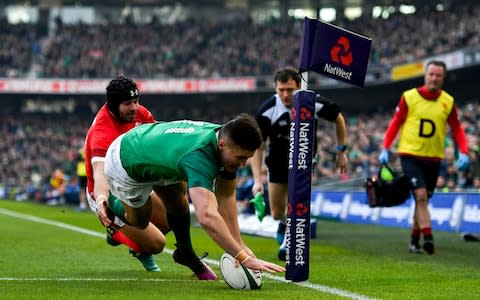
pixel 421 194
pixel 156 246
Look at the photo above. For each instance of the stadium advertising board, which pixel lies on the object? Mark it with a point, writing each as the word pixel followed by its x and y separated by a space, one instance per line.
pixel 146 86
pixel 446 211
pixel 470 221
pixel 456 212
pixel 449 211
pixel 453 60
pixel 408 70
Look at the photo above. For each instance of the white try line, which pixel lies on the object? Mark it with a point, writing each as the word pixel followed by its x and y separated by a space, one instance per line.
pixel 92 279
pixel 318 287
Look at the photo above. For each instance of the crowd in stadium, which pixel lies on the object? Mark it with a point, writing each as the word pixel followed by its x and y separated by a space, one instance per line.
pixel 31 162
pixel 208 48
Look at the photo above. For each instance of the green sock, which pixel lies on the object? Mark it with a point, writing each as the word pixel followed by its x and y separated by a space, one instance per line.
pixel 116 207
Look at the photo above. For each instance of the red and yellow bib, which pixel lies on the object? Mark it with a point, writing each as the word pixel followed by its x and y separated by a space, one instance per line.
pixel 424 130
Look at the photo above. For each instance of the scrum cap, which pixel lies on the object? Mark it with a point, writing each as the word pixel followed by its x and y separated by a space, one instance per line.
pixel 120 89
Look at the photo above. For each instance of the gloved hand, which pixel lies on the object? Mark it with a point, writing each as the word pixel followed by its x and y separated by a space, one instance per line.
pixel 383 157
pixel 462 162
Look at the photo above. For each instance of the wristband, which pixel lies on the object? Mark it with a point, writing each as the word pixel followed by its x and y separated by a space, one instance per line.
pixel 342 148
pixel 242 256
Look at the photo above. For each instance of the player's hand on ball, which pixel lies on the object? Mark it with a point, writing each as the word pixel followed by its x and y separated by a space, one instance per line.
pixel 261 265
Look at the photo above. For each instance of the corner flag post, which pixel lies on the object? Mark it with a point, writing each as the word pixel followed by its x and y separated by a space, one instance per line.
pixel 302 129
pixel 342 55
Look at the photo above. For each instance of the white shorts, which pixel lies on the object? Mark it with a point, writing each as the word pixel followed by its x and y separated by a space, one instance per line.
pixel 130 191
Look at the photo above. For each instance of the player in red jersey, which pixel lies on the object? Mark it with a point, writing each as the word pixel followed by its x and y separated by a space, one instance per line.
pixel 120 113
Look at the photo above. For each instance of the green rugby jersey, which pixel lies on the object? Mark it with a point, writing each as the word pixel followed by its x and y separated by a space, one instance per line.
pixel 179 150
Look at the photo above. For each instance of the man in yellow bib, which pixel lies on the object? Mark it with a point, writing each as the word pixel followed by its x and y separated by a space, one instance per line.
pixel 421 117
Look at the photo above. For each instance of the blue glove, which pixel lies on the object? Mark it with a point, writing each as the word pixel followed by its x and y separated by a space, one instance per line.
pixel 383 157
pixel 462 162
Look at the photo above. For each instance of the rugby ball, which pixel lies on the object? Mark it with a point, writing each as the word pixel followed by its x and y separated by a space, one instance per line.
pixel 241 277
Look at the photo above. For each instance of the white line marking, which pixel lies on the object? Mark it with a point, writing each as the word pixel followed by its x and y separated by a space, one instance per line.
pixel 318 287
pixel 92 279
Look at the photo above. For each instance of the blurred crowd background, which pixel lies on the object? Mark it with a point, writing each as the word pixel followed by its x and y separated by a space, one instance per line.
pixel 37 148
pixel 219 48
pixel 40 151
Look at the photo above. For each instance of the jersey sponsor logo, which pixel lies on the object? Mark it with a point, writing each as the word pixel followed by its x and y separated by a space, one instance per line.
pixel 180 130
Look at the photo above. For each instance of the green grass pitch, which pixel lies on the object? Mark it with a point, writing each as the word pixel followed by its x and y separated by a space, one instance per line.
pixel 59 253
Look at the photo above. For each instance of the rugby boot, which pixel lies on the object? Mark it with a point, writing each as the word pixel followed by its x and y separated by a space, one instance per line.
pixel 415 248
pixel 280 233
pixel 429 247
pixel 147 261
pixel 199 268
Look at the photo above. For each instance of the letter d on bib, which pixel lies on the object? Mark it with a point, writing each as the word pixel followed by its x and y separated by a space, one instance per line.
pixel 427 128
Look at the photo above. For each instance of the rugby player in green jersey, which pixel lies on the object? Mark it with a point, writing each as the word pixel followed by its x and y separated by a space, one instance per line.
pixel 206 156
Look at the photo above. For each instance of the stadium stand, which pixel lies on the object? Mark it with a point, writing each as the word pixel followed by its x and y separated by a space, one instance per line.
pixel 29 158
pixel 219 48
pixel 34 145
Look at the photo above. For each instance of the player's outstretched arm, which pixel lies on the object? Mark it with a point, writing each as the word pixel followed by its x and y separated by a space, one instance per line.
pixel 101 192
pixel 208 215
pixel 206 209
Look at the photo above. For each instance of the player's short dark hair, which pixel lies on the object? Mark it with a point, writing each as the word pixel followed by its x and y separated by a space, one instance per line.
pixel 120 89
pixel 243 131
pixel 285 74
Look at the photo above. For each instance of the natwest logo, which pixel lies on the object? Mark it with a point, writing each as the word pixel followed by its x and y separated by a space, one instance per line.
pixel 341 52
pixel 300 209
pixel 305 114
